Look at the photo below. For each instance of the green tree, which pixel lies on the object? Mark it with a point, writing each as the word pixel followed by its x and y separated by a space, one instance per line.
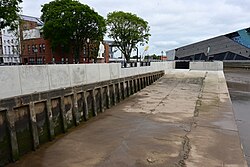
pixel 9 10
pixel 127 30
pixel 68 24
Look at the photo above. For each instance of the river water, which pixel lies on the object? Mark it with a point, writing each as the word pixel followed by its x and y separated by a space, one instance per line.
pixel 238 81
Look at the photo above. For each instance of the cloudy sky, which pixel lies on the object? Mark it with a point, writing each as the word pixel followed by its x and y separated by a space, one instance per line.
pixel 173 23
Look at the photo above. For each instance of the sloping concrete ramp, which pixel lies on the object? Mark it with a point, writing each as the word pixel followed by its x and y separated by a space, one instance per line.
pixel 184 119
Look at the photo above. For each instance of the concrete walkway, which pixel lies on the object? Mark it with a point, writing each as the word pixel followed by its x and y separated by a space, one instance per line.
pixel 184 119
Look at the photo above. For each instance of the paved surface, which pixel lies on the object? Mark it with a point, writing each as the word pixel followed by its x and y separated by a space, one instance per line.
pixel 184 119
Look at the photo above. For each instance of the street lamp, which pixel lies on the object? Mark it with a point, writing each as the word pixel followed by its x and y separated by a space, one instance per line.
pixel 88 48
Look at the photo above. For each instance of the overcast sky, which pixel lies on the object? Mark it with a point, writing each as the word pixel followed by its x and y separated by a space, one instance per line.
pixel 173 23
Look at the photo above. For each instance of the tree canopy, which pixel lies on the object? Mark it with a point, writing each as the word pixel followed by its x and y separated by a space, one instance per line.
pixel 127 30
pixel 9 10
pixel 68 24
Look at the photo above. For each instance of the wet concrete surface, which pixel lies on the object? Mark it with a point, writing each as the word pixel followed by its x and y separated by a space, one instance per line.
pixel 184 119
pixel 239 88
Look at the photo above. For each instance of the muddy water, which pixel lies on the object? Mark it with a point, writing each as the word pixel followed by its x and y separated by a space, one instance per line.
pixel 238 81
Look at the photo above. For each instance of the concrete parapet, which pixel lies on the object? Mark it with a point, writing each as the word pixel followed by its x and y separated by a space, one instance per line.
pixel 115 70
pixel 10 82
pixel 21 80
pixel 104 71
pixel 208 66
pixel 78 74
pixel 34 79
pixel 93 74
pixel 59 76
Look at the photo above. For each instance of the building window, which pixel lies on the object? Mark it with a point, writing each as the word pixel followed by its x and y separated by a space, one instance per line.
pixel 31 60
pixel 84 50
pixel 13 49
pixel 33 48
pixel 5 50
pixel 9 49
pixel 29 48
pixel 40 48
pixel 43 47
pixel 39 60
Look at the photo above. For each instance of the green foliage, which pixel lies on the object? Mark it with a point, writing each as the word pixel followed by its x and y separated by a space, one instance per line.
pixel 153 57
pixel 127 30
pixel 9 10
pixel 68 24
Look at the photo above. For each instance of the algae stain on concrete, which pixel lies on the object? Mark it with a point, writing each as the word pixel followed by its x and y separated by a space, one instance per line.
pixel 5 153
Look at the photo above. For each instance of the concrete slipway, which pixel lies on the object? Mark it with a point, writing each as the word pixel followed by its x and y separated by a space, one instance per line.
pixel 184 119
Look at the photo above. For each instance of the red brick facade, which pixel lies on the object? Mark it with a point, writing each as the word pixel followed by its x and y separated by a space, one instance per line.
pixel 38 50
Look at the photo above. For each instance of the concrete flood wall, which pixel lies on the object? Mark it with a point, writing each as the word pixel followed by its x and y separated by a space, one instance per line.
pixel 195 65
pixel 38 103
pixel 208 66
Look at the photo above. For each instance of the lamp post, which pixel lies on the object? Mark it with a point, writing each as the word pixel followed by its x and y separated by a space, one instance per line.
pixel 88 48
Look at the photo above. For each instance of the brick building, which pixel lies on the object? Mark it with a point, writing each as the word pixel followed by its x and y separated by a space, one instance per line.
pixel 36 50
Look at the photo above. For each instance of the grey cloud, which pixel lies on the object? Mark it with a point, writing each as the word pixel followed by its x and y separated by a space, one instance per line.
pixel 173 22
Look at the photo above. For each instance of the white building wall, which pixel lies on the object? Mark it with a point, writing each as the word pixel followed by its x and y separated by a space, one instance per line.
pixel 10 46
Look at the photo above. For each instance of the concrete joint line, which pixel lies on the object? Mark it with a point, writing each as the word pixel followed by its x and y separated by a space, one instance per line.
pixel 186 145
pixel 184 153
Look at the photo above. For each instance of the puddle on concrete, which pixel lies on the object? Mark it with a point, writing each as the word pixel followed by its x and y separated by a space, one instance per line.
pixel 239 89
